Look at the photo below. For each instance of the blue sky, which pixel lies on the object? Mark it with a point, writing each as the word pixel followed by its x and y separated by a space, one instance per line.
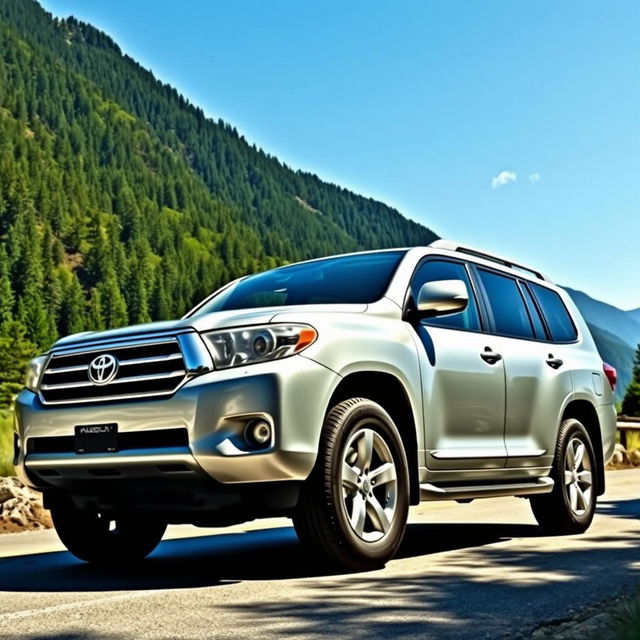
pixel 510 125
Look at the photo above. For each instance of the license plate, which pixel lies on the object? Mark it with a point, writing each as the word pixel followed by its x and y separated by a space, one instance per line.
pixel 96 438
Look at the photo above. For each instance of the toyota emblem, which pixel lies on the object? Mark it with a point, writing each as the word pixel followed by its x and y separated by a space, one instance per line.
pixel 103 369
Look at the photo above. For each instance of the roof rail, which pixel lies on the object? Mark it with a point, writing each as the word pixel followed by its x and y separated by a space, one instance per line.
pixel 448 245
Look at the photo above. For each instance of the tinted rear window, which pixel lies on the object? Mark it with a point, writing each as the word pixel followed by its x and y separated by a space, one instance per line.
pixel 534 314
pixel 510 315
pixel 359 278
pixel 558 319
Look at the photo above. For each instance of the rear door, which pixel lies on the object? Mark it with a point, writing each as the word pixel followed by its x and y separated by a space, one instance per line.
pixel 537 380
pixel 463 387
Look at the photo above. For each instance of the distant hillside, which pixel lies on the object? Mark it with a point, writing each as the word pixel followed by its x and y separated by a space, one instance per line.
pixel 616 332
pixel 120 202
pixel 606 316
pixel 635 314
pixel 617 354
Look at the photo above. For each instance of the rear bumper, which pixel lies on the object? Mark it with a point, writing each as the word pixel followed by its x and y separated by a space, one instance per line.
pixel 212 409
pixel 607 417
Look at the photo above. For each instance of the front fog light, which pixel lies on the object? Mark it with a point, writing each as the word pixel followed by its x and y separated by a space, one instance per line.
pixel 258 433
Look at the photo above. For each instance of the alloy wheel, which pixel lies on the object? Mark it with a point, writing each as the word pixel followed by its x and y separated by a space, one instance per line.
pixel 369 482
pixel 578 478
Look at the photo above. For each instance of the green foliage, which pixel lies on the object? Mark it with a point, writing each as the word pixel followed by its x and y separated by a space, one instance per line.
pixel 636 365
pixel 617 353
pixel 6 443
pixel 626 618
pixel 121 203
pixel 631 402
pixel 15 350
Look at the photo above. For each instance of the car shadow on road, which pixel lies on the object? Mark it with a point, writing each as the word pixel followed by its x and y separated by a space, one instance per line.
pixel 485 589
pixel 265 554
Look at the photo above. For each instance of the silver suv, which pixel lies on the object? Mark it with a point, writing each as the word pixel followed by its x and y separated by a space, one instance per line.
pixel 336 392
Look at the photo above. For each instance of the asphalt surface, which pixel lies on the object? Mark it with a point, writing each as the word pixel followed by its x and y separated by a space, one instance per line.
pixel 464 571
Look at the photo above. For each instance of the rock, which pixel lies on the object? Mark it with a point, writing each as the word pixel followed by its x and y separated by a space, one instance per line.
pixel 634 458
pixel 617 458
pixel 600 620
pixel 18 517
pixel 620 455
pixel 20 507
pixel 10 504
pixel 5 493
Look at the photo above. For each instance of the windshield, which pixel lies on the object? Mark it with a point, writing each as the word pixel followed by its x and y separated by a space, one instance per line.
pixel 359 278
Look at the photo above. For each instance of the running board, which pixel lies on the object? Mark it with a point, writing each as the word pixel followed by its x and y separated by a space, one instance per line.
pixel 470 492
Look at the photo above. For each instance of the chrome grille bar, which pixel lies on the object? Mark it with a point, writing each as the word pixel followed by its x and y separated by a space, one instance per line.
pixel 153 376
pixel 123 363
pixel 145 368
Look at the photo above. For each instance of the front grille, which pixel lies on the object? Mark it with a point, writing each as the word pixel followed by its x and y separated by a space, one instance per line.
pixel 127 441
pixel 145 368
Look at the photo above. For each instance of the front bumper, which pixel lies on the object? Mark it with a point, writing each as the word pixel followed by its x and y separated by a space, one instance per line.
pixel 292 394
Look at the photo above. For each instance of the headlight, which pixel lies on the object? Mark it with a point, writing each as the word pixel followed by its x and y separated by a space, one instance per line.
pixel 34 372
pixel 249 345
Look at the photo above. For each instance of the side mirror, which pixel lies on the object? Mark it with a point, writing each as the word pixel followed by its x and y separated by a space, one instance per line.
pixel 441 297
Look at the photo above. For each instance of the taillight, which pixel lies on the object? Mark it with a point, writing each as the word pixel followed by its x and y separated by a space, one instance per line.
pixel 611 373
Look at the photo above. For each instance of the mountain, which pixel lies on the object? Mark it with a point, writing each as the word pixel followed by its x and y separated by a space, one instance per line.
pixel 618 354
pixel 120 202
pixel 606 316
pixel 616 333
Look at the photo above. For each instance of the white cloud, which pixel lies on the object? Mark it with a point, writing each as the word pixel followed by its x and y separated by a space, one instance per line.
pixel 504 177
pixel 534 177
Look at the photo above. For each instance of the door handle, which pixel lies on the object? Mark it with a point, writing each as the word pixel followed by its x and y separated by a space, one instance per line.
pixel 490 356
pixel 554 363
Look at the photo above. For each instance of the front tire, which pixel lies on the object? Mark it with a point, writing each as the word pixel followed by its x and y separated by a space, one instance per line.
pixel 101 539
pixel 353 508
pixel 570 507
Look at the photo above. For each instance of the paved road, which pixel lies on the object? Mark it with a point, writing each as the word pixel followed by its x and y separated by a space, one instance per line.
pixel 465 571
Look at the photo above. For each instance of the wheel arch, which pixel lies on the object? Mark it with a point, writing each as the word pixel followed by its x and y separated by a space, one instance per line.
pixel 585 412
pixel 389 392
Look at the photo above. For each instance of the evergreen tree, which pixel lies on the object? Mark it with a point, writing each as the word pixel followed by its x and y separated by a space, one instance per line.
pixel 631 402
pixel 95 319
pixel 73 313
pixel 15 351
pixel 114 308
pixel 121 202
pixel 6 290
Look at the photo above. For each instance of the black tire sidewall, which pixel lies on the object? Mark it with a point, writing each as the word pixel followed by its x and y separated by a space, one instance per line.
pixel 571 430
pixel 371 415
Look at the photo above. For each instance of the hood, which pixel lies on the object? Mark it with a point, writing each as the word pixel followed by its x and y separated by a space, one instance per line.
pixel 210 322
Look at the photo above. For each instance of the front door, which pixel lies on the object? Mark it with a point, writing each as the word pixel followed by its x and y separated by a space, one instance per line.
pixel 463 381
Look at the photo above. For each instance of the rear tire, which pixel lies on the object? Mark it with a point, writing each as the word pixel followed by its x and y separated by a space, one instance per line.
pixel 353 508
pixel 99 539
pixel 570 507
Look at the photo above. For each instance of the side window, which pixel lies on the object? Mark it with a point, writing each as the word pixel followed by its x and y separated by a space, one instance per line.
pixel 432 270
pixel 558 319
pixel 510 315
pixel 534 314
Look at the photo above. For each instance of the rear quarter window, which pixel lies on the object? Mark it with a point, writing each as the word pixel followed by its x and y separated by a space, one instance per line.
pixel 556 314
